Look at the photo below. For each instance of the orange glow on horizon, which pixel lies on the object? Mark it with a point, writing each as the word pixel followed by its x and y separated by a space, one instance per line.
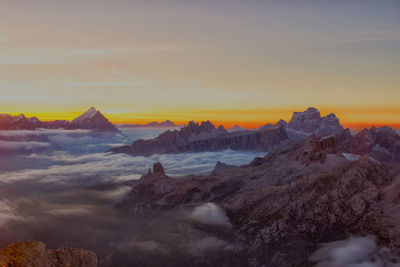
pixel 249 118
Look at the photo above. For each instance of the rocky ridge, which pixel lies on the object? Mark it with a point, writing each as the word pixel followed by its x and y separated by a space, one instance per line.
pixel 304 124
pixel 284 204
pixel 236 128
pixel 382 144
pixel 92 119
pixel 197 137
pixel 154 124
pixel 34 253
pixel 202 137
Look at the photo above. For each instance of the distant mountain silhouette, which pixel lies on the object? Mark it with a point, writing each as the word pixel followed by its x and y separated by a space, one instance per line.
pixel 382 144
pixel 90 120
pixel 236 128
pixel 204 136
pixel 154 124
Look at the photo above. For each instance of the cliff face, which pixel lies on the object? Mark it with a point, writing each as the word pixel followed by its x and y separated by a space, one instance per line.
pixel 205 137
pixel 285 203
pixel 304 124
pixel 35 254
pixel 382 144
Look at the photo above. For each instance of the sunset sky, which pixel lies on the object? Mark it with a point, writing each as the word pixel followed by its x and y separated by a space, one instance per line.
pixel 229 61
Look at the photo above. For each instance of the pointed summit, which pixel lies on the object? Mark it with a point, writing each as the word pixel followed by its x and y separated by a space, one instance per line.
pixel 94 120
pixel 20 117
pixel 90 113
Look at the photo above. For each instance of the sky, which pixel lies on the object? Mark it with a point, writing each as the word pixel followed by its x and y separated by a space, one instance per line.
pixel 228 61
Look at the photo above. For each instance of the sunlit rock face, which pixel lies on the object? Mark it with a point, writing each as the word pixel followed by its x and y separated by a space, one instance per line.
pixel 282 205
pixel 93 120
pixel 303 124
pixel 307 121
pixel 33 253
pixel 205 137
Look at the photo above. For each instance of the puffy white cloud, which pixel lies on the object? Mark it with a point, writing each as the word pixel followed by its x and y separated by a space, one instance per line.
pixel 353 252
pixel 211 214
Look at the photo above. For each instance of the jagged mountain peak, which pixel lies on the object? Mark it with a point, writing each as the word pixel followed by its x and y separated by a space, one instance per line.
pixel 90 113
pixel 331 116
pixel 303 124
pixel 196 127
pixel 20 117
pixel 312 109
pixel 93 119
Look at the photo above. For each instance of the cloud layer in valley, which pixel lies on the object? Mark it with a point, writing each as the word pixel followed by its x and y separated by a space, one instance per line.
pixel 67 196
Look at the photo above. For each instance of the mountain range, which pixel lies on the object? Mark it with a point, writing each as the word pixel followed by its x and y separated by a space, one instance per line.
pixel 381 144
pixel 92 120
pixel 154 124
pixel 276 210
pixel 202 137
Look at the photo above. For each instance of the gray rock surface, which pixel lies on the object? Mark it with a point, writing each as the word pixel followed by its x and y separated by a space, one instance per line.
pixel 382 144
pixel 220 166
pixel 205 137
pixel 286 203
pixel 304 124
pixel 307 121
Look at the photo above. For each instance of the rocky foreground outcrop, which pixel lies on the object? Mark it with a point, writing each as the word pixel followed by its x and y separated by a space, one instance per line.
pixel 34 253
pixel 283 205
pixel 205 137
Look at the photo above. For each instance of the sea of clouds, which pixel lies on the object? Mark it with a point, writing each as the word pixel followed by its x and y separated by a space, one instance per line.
pixel 62 188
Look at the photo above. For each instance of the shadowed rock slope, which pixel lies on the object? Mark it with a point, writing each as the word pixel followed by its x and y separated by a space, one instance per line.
pixel 381 144
pixel 205 137
pixel 284 204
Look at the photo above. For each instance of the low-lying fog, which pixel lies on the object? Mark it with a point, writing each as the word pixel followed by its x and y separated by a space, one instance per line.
pixel 60 187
